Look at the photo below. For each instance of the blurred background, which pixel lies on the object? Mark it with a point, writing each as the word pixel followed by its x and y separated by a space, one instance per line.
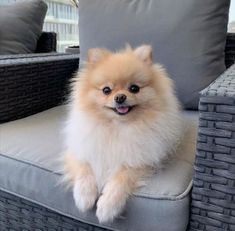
pixel 63 18
pixel 231 26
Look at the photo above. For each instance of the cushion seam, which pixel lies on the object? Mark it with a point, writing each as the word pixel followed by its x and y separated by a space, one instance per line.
pixel 170 198
pixel 31 164
pixel 53 209
pixel 142 195
pixel 62 213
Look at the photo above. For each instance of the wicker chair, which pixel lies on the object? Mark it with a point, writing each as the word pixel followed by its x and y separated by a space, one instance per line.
pixel 212 206
pixel 31 83
pixel 213 194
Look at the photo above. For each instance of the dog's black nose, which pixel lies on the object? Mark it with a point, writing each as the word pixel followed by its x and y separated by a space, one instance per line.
pixel 120 98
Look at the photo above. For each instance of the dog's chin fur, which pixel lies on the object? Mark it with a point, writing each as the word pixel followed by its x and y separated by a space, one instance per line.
pixel 106 141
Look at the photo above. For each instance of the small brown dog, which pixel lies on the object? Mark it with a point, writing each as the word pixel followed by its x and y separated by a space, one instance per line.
pixel 124 120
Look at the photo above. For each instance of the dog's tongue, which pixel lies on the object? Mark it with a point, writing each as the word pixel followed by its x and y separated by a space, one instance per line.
pixel 122 110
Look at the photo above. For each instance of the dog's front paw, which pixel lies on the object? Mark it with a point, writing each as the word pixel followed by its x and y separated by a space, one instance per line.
pixel 85 193
pixel 110 204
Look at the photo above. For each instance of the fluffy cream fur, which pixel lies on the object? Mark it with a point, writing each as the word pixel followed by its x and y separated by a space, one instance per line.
pixel 110 153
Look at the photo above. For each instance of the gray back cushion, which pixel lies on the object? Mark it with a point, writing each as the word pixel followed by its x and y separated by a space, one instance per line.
pixel 21 26
pixel 188 36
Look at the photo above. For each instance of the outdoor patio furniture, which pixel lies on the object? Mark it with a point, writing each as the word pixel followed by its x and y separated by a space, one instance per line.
pixel 213 203
pixel 31 83
pixel 33 92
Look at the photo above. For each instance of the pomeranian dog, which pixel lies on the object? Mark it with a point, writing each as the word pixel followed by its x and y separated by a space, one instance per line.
pixel 124 121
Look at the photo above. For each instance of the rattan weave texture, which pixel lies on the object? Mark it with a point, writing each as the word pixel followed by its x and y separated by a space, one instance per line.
pixel 213 194
pixel 17 214
pixel 34 82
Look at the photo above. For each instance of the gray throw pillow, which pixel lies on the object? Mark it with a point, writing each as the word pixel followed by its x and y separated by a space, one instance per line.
pixel 188 36
pixel 21 26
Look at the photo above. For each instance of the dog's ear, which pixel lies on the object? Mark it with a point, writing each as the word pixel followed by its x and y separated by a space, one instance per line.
pixel 97 54
pixel 145 54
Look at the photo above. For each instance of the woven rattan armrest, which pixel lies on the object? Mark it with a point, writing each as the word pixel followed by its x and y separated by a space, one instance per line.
pixel 213 194
pixel 32 83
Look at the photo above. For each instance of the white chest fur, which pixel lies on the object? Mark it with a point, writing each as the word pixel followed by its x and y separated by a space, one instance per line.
pixel 107 147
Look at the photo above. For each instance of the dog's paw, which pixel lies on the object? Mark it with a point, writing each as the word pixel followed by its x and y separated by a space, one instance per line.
pixel 85 193
pixel 110 205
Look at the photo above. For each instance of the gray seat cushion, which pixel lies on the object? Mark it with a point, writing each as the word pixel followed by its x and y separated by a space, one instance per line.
pixel 30 149
pixel 21 26
pixel 188 37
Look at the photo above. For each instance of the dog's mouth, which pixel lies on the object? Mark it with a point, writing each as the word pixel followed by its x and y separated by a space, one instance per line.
pixel 122 110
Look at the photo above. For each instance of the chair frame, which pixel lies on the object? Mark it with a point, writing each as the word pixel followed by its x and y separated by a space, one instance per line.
pixel 213 193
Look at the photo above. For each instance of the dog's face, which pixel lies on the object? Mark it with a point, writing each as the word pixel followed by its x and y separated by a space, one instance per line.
pixel 120 86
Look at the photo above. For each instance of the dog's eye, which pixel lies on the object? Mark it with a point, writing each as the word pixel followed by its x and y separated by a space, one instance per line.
pixel 134 89
pixel 107 90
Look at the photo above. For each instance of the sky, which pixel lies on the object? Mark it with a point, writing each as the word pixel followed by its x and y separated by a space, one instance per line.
pixel 232 11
